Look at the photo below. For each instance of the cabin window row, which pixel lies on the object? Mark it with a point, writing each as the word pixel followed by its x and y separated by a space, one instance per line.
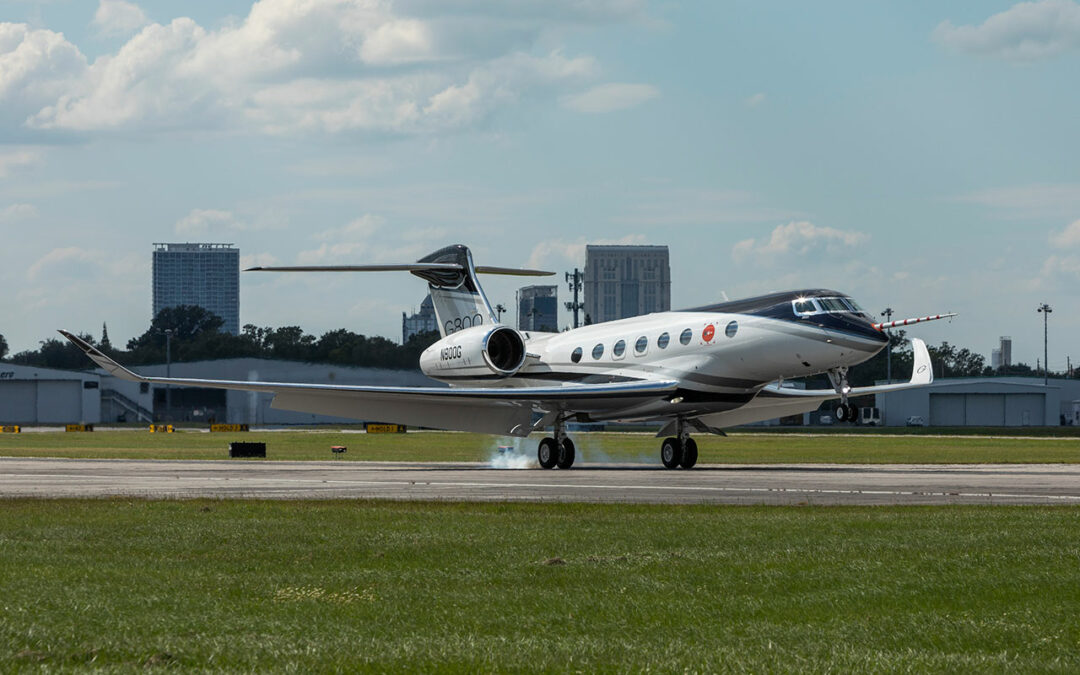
pixel 641 345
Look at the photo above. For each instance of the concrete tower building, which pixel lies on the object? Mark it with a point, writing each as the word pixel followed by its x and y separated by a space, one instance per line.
pixel 625 281
pixel 207 275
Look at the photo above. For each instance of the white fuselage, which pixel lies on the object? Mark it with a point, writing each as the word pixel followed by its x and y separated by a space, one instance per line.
pixel 712 352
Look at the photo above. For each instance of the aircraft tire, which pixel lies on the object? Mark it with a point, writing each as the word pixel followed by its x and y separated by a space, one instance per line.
pixel 547 453
pixel 567 454
pixel 671 453
pixel 841 413
pixel 689 454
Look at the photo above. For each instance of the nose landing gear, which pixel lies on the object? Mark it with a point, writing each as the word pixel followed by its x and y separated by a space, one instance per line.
pixel 843 412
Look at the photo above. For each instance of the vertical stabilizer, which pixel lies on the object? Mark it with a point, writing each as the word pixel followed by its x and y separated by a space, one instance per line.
pixel 459 301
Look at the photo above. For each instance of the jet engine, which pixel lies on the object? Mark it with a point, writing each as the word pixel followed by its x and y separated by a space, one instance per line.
pixel 477 352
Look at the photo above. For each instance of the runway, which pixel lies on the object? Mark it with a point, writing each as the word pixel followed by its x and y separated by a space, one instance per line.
pixel 617 483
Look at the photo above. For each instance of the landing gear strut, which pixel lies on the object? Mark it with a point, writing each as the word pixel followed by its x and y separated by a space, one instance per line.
pixel 838 378
pixel 680 450
pixel 557 450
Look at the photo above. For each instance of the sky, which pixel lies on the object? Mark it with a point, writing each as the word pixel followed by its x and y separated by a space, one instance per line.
pixel 921 156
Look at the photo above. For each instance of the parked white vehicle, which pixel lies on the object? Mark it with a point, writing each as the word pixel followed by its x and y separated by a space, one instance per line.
pixel 916 421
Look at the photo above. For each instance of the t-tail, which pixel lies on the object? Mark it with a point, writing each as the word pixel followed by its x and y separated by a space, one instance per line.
pixel 456 293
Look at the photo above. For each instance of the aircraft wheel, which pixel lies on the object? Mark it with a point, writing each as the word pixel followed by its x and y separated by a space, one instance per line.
pixel 671 453
pixel 548 453
pixel 842 412
pixel 566 454
pixel 689 454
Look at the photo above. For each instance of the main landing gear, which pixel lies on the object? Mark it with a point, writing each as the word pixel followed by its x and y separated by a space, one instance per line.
pixel 680 450
pixel 843 412
pixel 557 451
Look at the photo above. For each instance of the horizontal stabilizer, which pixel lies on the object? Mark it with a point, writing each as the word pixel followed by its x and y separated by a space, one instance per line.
pixel 406 267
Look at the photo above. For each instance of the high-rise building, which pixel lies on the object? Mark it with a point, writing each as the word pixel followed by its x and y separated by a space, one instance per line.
pixel 625 281
pixel 1006 351
pixel 995 359
pixel 538 308
pixel 421 322
pixel 207 275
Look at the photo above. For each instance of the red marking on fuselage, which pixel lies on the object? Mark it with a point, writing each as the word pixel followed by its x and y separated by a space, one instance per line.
pixel 708 333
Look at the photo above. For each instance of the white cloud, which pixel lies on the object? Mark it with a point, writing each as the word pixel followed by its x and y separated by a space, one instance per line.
pixel 1059 201
pixel 257 260
pixel 118 18
pixel 357 230
pixel 201 222
pixel 14 160
pixel 1024 32
pixel 610 97
pixel 18 212
pixel 297 65
pixel 555 252
pixel 798 238
pixel 1067 238
pixel 755 100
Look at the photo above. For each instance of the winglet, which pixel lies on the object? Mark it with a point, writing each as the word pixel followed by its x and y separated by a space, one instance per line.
pixel 922 372
pixel 99 358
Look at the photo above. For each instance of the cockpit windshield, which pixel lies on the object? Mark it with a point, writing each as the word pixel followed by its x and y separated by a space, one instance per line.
pixel 810 306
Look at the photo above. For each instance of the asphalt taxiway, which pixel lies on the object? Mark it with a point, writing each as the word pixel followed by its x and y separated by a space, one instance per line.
pixel 621 483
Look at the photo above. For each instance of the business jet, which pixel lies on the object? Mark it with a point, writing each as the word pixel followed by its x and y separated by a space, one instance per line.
pixel 699 369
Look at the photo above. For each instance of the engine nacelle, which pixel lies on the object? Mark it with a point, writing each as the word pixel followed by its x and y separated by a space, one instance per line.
pixel 480 351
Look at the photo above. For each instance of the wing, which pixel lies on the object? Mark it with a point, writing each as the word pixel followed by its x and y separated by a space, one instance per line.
pixel 486 410
pixel 775 401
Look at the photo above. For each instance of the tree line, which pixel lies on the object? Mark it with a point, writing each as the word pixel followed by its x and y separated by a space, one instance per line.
pixel 197 335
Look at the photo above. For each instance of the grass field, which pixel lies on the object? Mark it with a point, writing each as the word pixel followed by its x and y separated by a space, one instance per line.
pixel 592 447
pixel 285 586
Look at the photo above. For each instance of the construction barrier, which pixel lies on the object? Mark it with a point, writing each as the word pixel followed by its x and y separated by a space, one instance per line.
pixel 79 427
pixel 11 429
pixel 161 428
pixel 228 428
pixel 374 428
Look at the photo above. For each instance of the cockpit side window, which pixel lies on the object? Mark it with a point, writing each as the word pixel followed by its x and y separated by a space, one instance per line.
pixel 804 307
pixel 833 305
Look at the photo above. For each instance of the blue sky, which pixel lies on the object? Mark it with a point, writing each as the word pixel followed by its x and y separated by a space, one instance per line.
pixel 916 155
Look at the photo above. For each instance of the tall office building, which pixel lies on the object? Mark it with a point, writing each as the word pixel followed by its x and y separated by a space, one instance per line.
pixel 625 281
pixel 421 322
pixel 207 275
pixel 1006 351
pixel 538 308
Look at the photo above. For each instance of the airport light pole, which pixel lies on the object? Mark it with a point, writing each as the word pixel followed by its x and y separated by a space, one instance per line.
pixel 168 373
pixel 574 281
pixel 499 309
pixel 1045 310
pixel 888 353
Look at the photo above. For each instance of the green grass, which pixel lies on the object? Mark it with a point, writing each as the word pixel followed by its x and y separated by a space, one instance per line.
pixel 323 586
pixel 448 446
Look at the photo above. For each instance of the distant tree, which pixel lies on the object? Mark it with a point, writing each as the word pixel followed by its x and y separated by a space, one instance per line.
pixel 186 322
pixel 3 347
pixel 55 353
pixel 105 344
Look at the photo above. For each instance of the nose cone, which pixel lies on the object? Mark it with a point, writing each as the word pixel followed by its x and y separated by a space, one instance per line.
pixel 858 330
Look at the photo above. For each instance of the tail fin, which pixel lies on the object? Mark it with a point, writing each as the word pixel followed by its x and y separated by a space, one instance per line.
pixel 456 293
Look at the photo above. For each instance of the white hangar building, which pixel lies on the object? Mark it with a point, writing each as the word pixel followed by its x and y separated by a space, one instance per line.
pixel 31 395
pixel 987 401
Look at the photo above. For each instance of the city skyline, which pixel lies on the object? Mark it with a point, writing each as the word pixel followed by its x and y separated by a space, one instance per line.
pixel 917 156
